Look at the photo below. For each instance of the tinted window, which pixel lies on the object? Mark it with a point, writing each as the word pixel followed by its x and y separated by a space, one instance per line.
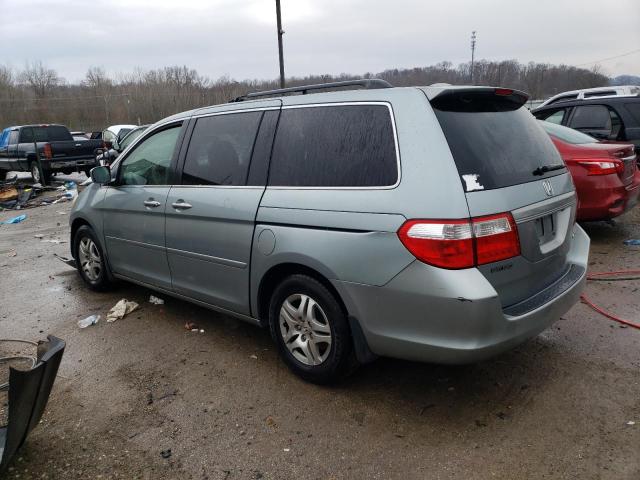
pixel 495 146
pixel 591 116
pixel 149 163
pixel 334 146
pixel 555 117
pixel 567 134
pixel 634 110
pixel 55 133
pixel 220 149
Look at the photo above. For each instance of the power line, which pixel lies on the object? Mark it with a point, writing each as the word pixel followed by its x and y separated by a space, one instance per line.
pixel 637 50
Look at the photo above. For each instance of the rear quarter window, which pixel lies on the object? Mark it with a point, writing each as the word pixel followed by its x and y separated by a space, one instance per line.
pixel 335 146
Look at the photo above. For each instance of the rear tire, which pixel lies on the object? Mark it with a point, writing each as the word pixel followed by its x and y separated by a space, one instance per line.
pixel 311 330
pixel 3 175
pixel 91 261
pixel 35 174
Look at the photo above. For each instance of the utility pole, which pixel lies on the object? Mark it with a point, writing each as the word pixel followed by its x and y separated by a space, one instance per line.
pixel 280 33
pixel 473 52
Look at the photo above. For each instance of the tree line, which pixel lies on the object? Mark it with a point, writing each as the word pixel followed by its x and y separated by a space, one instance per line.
pixel 38 94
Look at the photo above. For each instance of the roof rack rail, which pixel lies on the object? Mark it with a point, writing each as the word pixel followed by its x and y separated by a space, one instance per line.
pixel 366 83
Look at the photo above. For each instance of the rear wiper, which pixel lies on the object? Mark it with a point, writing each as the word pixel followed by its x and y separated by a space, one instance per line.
pixel 548 168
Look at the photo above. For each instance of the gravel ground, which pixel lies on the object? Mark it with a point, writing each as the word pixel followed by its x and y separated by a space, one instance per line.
pixel 557 407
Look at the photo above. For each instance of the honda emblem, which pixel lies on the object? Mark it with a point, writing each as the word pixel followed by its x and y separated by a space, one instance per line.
pixel 548 188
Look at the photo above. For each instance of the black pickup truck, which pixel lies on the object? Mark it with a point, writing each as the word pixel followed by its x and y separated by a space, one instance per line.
pixel 59 152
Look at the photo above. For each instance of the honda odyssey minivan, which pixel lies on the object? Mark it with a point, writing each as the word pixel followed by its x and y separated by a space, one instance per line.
pixel 434 224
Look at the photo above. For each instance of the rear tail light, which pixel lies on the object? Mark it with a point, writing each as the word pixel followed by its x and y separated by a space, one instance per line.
pixel 48 154
pixel 459 244
pixel 602 167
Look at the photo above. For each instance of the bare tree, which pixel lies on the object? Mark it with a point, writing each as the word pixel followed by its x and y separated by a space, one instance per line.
pixel 41 79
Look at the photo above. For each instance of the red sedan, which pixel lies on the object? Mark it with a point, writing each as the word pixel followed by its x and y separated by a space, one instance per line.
pixel 606 175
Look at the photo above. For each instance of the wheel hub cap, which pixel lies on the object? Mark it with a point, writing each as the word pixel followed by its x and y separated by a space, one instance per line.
pixel 90 260
pixel 305 329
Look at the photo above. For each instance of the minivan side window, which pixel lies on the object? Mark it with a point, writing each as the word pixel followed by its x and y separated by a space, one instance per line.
pixel 220 149
pixel 149 163
pixel 334 146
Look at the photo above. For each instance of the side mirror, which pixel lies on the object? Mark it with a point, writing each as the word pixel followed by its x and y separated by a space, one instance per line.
pixel 101 175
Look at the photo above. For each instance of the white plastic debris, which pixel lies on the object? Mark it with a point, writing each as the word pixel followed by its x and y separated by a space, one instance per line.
pixel 120 309
pixel 471 182
pixel 87 322
pixel 254 357
pixel 39 235
pixel 631 422
pixel 155 300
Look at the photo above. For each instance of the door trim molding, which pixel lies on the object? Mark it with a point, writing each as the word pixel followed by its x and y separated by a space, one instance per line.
pixel 207 258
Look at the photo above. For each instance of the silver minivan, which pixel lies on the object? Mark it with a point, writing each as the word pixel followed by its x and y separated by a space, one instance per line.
pixel 434 224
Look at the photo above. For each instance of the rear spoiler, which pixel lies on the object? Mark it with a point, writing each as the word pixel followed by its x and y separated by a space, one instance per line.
pixel 466 98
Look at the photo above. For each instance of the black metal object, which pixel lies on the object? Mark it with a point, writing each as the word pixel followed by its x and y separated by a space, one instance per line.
pixel 280 33
pixel 28 395
pixel 366 83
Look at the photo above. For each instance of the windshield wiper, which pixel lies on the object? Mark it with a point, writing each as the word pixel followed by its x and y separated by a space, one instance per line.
pixel 548 168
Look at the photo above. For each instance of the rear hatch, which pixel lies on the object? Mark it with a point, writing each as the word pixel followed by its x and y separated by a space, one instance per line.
pixel 508 164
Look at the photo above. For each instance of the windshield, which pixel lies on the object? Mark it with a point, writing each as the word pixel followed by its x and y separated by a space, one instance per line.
pixel 567 134
pixel 495 145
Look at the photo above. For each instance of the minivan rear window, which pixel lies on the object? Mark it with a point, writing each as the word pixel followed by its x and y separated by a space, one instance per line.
pixel 335 146
pixel 493 143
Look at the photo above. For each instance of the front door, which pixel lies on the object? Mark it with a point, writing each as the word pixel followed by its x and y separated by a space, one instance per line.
pixel 211 215
pixel 134 209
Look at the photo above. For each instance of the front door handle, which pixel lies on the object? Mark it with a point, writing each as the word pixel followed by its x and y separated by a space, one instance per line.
pixel 151 203
pixel 181 205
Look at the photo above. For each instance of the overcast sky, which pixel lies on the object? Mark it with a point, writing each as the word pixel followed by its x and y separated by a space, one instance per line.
pixel 237 38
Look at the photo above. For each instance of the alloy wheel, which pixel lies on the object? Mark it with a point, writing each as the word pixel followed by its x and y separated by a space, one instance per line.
pixel 305 329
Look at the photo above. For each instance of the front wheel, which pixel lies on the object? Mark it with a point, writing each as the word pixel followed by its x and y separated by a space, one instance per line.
pixel 90 259
pixel 311 330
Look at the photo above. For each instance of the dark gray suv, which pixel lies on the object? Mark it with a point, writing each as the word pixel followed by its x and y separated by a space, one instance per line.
pixel 433 224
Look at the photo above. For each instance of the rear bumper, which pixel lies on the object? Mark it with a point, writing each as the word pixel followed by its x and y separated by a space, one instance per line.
pixel 606 198
pixel 64 164
pixel 454 316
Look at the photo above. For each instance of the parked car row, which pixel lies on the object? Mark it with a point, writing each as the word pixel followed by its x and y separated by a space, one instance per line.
pixel 59 150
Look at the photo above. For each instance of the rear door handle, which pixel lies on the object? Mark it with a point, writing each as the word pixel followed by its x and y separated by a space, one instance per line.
pixel 151 203
pixel 181 205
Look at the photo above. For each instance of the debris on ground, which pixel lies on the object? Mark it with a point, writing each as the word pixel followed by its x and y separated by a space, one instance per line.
pixel 120 309
pixel 631 422
pixel 632 241
pixel 192 326
pixel 53 240
pixel 165 453
pixel 8 193
pixel 253 357
pixel 155 300
pixel 39 235
pixel 17 219
pixel 87 322
pixel 12 253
